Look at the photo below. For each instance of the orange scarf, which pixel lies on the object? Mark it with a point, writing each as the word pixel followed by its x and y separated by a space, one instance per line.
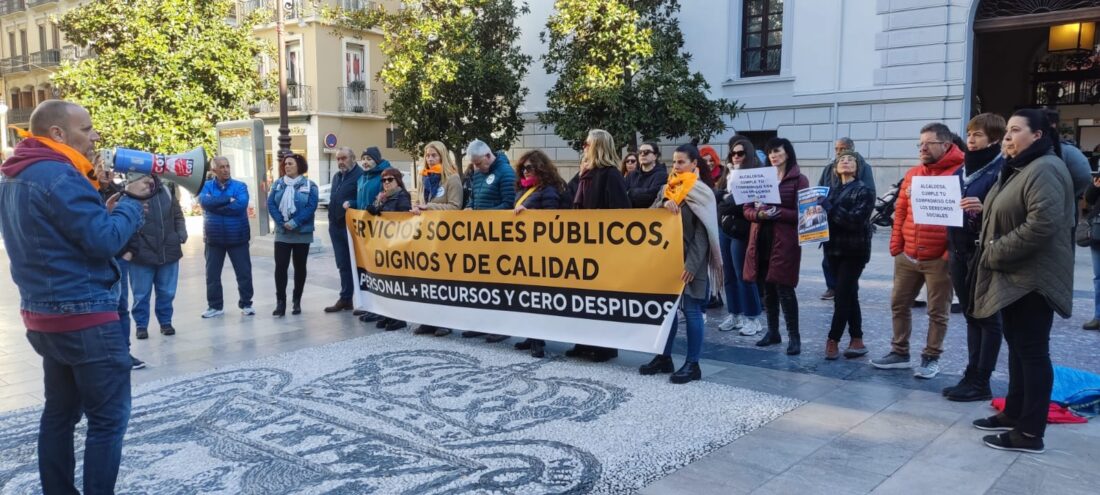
pixel 78 160
pixel 434 169
pixel 679 184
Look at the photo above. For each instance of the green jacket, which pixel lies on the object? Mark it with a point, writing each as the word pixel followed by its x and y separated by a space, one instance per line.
pixel 1026 243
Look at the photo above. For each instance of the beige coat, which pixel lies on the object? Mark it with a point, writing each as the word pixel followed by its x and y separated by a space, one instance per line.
pixel 1026 243
pixel 451 199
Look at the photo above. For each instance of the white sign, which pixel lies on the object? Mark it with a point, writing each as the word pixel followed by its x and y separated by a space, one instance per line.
pixel 755 184
pixel 935 201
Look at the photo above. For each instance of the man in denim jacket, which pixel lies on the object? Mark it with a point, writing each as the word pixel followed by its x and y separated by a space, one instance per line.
pixel 62 241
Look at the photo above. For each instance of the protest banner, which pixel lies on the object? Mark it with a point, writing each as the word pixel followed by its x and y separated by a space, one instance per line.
pixel 935 201
pixel 755 184
pixel 600 277
pixel 813 221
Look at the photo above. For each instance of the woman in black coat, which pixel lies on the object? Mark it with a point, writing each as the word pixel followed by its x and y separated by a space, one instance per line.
pixel 849 249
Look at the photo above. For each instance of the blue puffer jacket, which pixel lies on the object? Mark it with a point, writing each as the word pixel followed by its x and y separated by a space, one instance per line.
pixel 495 190
pixel 59 236
pixel 370 184
pixel 544 198
pixel 225 212
pixel 305 206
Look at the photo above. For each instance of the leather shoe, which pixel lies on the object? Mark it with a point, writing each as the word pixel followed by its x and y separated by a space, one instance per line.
pixel 494 338
pixel 523 345
pixel 659 364
pixel 341 305
pixel 689 372
pixel 370 317
pixel 359 312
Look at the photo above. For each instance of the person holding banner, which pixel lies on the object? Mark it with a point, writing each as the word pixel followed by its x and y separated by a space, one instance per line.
pixel 292 204
pixel 848 249
pixel 394 197
pixel 982 166
pixel 1024 271
pixel 774 257
pixel 492 187
pixel 542 188
pixel 689 194
pixel 446 196
pixel 742 297
pixel 600 186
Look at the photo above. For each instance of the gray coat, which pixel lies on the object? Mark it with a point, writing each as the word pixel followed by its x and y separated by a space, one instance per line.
pixel 696 250
pixel 159 240
pixel 1025 239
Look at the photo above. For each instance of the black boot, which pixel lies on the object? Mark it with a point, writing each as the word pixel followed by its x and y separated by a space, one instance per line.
pixel 297 309
pixel 788 301
pixel 383 322
pixel 794 344
pixel 280 308
pixel 975 390
pixel 690 371
pixel 659 364
pixel 538 349
pixel 962 381
pixel 770 338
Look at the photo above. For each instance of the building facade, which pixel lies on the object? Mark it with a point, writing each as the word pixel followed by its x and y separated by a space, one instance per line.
pixel 813 71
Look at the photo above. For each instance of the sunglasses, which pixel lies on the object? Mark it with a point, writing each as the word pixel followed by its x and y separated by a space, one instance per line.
pixel 631 160
pixel 645 152
pixel 389 179
pixel 738 153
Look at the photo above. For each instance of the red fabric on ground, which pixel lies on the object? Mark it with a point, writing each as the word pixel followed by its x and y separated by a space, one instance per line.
pixel 1057 414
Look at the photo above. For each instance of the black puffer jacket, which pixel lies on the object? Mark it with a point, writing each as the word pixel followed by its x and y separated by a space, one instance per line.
pixel 731 218
pixel 850 207
pixel 642 187
pixel 160 238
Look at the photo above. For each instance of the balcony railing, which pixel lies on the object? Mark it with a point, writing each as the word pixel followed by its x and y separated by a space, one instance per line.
pixel 14 64
pixel 299 98
pixel 35 3
pixel 292 8
pixel 359 101
pixel 358 4
pixel 45 59
pixel 19 115
pixel 72 53
pixel 12 6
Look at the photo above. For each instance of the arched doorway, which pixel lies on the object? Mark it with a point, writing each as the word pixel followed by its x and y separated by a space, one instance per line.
pixel 1038 53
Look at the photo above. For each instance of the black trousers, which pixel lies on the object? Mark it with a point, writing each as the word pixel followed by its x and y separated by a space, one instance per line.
pixel 775 296
pixel 1030 375
pixel 983 335
pixel 284 251
pixel 846 312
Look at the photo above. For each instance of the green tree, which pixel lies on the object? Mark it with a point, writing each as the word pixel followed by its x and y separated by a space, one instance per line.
pixel 453 71
pixel 621 67
pixel 165 71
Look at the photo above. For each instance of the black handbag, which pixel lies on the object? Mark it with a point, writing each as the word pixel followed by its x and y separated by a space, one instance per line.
pixel 1088 231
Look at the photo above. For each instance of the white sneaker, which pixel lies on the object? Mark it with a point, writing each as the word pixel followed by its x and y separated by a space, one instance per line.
pixel 730 323
pixel 211 313
pixel 248 311
pixel 751 326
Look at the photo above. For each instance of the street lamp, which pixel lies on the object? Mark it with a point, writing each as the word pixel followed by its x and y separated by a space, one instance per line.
pixel 3 129
pixel 284 124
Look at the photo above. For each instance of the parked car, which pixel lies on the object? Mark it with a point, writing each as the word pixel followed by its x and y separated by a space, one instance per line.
pixel 323 194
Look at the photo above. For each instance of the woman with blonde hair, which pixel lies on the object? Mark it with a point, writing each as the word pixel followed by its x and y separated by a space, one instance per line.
pixel 441 183
pixel 598 186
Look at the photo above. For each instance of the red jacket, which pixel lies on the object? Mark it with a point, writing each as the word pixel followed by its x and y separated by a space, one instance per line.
pixel 921 242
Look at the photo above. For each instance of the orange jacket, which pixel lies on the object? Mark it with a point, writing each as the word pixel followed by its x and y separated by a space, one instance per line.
pixel 921 242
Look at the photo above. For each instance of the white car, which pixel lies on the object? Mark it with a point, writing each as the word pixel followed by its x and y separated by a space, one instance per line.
pixel 323 194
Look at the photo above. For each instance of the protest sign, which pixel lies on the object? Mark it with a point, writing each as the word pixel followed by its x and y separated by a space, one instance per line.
pixel 600 277
pixel 813 221
pixel 755 184
pixel 935 201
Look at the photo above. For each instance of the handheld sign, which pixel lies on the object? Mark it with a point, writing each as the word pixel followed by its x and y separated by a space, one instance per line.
pixel 755 184
pixel 935 201
pixel 813 221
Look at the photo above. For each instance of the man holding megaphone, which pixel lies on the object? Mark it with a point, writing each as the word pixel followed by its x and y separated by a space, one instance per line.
pixel 62 240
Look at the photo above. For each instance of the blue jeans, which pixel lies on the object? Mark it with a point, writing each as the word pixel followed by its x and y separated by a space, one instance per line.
pixel 342 252
pixel 693 313
pixel 242 267
pixel 86 372
pixel 124 299
pixel 742 298
pixel 1095 281
pixel 143 278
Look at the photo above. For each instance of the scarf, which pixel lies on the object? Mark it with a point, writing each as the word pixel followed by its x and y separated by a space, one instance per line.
pixel 434 169
pixel 1025 157
pixel 286 203
pixel 975 161
pixel 584 181
pixel 702 202
pixel 679 185
pixel 76 158
pixel 384 196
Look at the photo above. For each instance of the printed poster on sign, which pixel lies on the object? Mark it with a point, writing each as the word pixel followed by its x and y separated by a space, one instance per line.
pixel 935 201
pixel 569 276
pixel 755 184
pixel 813 220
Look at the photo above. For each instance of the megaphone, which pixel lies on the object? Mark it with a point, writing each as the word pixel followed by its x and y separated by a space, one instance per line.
pixel 188 169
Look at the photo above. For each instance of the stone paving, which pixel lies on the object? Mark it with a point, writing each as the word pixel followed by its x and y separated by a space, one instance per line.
pixel 861 430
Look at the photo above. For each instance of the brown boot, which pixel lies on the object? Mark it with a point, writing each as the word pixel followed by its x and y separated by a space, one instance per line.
pixel 855 349
pixel 832 349
pixel 341 305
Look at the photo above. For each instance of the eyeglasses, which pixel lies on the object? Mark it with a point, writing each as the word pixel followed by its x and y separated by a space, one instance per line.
pixel 645 152
pixel 389 179
pixel 930 143
pixel 739 154
pixel 631 160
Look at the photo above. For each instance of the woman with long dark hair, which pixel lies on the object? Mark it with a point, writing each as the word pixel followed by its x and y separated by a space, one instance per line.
pixel 630 164
pixel 742 297
pixel 774 257
pixel 292 205
pixel 1024 271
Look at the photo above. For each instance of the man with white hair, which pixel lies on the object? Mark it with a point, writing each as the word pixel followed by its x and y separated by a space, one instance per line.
pixel 493 188
pixel 344 187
